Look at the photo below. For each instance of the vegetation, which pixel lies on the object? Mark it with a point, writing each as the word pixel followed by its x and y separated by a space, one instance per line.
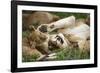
pixel 77 15
pixel 30 58
pixel 72 54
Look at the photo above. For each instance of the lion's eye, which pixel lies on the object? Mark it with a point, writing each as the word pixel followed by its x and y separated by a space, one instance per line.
pixel 59 39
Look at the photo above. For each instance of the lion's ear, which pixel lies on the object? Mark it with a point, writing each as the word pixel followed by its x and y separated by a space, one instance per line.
pixel 31 28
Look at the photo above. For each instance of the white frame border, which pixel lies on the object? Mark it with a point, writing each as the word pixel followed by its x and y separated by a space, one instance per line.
pixel 53 63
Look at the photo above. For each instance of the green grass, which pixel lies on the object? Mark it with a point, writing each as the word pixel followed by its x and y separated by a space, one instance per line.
pixel 30 58
pixel 25 33
pixel 62 54
pixel 72 54
pixel 66 14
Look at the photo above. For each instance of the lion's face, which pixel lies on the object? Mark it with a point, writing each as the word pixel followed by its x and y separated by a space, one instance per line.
pixel 58 40
pixel 37 36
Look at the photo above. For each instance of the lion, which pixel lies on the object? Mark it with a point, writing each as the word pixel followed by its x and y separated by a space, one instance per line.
pixel 38 40
pixel 37 18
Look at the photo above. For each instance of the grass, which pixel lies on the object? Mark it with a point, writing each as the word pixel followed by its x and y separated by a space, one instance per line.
pixel 64 14
pixel 72 54
pixel 30 58
pixel 62 54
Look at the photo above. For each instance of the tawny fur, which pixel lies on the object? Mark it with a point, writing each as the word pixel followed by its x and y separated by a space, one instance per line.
pixel 39 18
pixel 39 40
